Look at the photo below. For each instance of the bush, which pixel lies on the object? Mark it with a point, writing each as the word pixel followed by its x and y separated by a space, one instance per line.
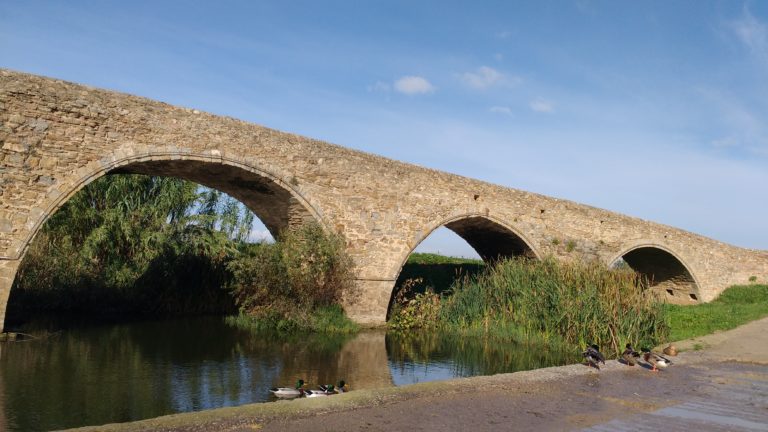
pixel 283 284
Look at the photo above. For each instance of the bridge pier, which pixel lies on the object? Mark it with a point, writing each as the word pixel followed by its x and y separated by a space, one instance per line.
pixel 7 275
pixel 367 305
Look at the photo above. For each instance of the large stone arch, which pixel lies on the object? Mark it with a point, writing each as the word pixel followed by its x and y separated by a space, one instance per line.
pixel 490 237
pixel 669 275
pixel 278 203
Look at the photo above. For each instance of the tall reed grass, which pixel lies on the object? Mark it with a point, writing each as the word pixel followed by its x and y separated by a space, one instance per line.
pixel 571 303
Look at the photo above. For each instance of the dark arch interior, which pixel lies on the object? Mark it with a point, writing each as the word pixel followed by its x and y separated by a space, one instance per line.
pixel 667 276
pixel 491 240
pixel 268 200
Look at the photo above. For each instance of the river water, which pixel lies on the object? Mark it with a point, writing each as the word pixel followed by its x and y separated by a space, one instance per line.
pixel 95 374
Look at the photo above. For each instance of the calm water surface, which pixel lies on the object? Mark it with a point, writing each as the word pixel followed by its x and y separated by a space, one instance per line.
pixel 89 375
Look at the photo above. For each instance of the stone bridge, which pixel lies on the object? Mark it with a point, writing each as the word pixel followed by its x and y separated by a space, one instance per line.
pixel 56 137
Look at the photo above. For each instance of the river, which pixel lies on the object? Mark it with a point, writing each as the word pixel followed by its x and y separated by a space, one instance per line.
pixel 91 374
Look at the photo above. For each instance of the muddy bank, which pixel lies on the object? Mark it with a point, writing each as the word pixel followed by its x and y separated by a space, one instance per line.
pixel 704 388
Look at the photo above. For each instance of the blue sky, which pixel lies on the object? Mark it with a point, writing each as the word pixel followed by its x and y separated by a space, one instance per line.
pixel 653 109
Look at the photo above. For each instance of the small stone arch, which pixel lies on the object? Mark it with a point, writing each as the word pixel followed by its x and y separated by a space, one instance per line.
pixel 490 237
pixel 669 275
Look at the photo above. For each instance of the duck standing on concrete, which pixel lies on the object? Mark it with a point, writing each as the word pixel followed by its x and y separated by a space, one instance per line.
pixel 593 356
pixel 655 360
pixel 629 355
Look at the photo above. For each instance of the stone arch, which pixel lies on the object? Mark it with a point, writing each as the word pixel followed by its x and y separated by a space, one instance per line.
pixel 669 275
pixel 490 237
pixel 277 201
pixel 244 181
pixel 479 230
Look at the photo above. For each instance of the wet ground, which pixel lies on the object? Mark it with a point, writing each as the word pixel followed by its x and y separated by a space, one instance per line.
pixel 720 396
pixel 703 391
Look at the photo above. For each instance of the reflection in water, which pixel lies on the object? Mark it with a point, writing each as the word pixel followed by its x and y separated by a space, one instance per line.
pixel 114 373
pixel 431 356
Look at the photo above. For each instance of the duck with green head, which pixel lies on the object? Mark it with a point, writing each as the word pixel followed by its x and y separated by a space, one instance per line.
pixel 288 392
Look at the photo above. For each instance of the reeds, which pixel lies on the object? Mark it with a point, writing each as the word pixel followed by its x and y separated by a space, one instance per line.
pixel 571 303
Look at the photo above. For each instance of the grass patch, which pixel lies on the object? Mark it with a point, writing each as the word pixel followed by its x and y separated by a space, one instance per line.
pixel 430 258
pixel 735 306
pixel 325 319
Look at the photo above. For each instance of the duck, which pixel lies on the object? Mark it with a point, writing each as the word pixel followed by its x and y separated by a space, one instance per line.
pixel 629 355
pixel 288 392
pixel 670 350
pixel 655 360
pixel 323 391
pixel 340 388
pixel 593 356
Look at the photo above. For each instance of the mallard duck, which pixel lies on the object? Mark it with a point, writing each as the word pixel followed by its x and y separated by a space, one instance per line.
pixel 318 393
pixel 629 355
pixel 287 392
pixel 593 356
pixel 670 350
pixel 340 388
pixel 655 360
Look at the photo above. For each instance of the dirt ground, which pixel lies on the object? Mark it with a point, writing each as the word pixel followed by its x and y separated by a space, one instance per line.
pixel 723 385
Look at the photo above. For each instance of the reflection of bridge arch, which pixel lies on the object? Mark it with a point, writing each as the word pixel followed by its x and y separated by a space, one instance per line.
pixel 668 274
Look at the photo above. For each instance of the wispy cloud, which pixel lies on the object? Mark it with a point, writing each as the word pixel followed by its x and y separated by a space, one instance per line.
pixel 753 33
pixel 501 110
pixel 412 85
pixel 542 106
pixel 743 125
pixel 485 77
pixel 379 87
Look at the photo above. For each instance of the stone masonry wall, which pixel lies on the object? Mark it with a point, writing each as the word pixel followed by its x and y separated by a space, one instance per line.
pixel 55 137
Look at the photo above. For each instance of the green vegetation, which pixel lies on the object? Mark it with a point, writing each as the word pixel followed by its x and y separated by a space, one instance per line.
pixel 560 303
pixel 735 306
pixel 128 246
pixel 430 258
pixel 294 284
pixel 132 245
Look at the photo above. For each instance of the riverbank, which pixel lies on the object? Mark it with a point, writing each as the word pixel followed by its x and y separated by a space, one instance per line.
pixel 727 371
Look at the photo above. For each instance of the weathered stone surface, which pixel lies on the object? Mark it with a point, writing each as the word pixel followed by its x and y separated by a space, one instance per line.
pixel 60 136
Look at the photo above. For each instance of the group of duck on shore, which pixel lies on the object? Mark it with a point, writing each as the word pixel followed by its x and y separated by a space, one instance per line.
pixel 593 356
pixel 322 390
pixel 630 357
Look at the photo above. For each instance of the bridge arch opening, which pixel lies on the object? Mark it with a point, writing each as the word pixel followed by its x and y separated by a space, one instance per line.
pixel 271 201
pixel 435 265
pixel 668 277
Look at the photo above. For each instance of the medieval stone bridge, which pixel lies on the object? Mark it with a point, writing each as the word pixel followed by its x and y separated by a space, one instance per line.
pixel 56 137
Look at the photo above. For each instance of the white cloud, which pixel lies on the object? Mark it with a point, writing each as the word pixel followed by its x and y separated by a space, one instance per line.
pixel 413 85
pixel 542 106
pixel 501 110
pixel 485 77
